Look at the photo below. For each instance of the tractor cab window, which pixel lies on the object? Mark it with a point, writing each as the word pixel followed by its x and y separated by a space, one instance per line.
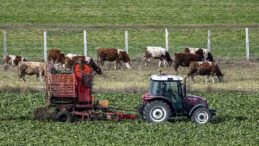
pixel 170 88
pixel 164 88
pixel 155 88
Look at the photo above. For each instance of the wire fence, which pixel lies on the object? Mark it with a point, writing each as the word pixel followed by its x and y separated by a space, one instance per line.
pixel 226 44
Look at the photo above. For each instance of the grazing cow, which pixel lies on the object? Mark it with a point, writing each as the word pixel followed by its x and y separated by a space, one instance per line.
pixel 31 68
pixel 70 55
pixel 112 54
pixel 157 53
pixel 82 59
pixel 205 68
pixel 204 53
pixel 12 60
pixel 184 59
pixel 56 56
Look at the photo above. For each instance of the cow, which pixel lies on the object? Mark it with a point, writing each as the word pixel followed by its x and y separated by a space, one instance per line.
pixel 31 68
pixel 184 59
pixel 83 59
pixel 157 53
pixel 205 68
pixel 113 54
pixel 56 56
pixel 12 60
pixel 71 55
pixel 204 53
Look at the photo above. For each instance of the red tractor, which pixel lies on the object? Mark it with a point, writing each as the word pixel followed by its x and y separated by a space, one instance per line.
pixel 167 98
pixel 69 95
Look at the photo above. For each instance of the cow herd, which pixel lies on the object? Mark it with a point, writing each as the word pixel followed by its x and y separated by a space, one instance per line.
pixel 199 60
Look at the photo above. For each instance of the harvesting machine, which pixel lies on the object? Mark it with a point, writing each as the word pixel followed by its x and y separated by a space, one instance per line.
pixel 69 97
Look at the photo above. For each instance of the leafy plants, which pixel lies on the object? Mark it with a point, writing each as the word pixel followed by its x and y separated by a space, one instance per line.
pixel 235 124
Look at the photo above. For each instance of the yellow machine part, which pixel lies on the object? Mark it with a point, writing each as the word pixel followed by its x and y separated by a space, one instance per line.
pixel 103 103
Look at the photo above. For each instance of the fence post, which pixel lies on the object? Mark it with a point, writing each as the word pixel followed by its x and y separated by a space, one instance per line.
pixel 166 40
pixel 209 42
pixel 247 44
pixel 45 46
pixel 126 42
pixel 85 44
pixel 4 43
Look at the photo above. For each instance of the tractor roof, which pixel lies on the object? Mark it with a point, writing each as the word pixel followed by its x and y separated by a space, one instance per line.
pixel 166 77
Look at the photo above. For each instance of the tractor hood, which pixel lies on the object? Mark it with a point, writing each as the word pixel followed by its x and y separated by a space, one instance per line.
pixel 193 100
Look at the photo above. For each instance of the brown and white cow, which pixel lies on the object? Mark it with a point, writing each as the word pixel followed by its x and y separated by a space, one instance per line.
pixel 204 53
pixel 112 54
pixel 56 56
pixel 12 60
pixel 184 59
pixel 205 68
pixel 31 68
pixel 83 59
pixel 157 53
pixel 71 55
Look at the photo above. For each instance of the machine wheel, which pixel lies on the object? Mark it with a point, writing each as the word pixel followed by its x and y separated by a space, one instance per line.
pixel 64 116
pixel 201 116
pixel 156 111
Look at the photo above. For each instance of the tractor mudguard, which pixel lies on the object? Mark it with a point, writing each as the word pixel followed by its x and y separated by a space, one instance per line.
pixel 196 107
pixel 163 99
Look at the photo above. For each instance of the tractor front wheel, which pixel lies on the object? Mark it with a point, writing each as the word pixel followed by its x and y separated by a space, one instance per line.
pixel 201 116
pixel 64 116
pixel 156 111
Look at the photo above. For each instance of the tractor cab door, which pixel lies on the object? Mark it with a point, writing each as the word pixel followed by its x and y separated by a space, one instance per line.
pixel 172 90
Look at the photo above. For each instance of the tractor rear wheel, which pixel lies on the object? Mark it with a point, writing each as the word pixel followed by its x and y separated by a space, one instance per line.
pixel 156 111
pixel 201 116
pixel 64 116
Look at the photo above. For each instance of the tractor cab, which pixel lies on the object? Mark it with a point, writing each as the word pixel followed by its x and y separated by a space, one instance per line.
pixel 166 98
pixel 169 87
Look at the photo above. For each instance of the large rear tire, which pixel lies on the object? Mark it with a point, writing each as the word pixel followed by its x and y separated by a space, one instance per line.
pixel 201 116
pixel 64 116
pixel 156 112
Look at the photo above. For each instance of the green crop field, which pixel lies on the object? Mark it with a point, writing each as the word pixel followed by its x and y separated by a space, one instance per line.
pixel 106 21
pixel 235 124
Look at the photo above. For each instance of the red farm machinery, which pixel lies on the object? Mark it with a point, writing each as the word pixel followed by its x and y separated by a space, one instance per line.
pixel 69 97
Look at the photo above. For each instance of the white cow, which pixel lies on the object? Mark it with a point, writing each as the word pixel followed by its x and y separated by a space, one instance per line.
pixel 31 68
pixel 71 55
pixel 157 53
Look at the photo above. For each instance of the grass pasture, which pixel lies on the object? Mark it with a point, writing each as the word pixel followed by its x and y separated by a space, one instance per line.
pixel 227 44
pixel 238 76
pixel 129 12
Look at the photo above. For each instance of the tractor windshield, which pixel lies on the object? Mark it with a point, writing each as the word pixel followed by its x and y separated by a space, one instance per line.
pixel 160 88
